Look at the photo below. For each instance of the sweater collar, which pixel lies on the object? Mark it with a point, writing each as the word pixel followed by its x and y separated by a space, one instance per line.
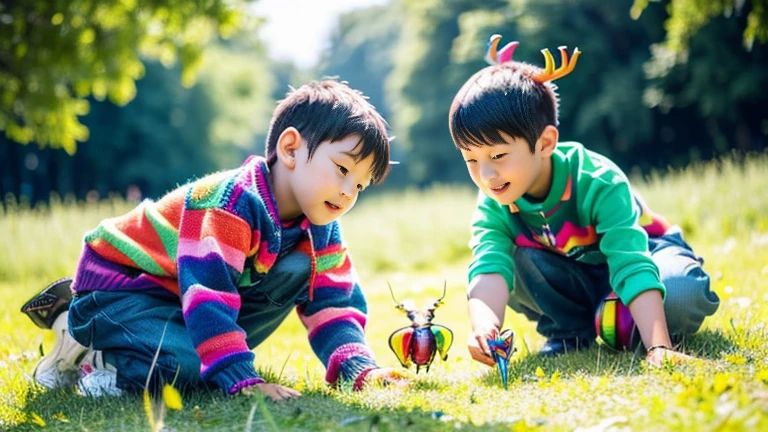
pixel 257 169
pixel 260 172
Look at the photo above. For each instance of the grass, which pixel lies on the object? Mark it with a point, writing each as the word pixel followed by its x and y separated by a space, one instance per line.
pixel 416 240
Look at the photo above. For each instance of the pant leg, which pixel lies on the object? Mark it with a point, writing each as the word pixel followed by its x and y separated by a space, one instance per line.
pixel 559 293
pixel 265 306
pixel 689 299
pixel 127 327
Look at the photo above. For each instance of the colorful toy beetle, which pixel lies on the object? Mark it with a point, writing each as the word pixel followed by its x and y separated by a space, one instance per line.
pixel 419 342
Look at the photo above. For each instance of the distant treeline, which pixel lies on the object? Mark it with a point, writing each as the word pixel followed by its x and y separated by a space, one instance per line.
pixel 629 97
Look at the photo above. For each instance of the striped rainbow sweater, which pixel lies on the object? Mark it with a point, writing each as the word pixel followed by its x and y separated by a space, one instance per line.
pixel 208 239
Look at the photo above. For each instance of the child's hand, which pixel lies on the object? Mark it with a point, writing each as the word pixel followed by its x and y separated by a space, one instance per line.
pixel 660 356
pixel 477 343
pixel 385 376
pixel 276 392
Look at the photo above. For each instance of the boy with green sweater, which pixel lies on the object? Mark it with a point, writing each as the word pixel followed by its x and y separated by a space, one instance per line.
pixel 557 227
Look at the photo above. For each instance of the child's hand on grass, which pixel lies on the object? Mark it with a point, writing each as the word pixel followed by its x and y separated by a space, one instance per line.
pixel 383 376
pixel 276 392
pixel 663 356
pixel 477 343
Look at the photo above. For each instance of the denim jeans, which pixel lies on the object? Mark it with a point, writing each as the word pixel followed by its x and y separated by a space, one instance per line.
pixel 562 294
pixel 128 325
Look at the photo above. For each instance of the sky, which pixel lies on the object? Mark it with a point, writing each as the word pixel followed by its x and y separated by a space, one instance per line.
pixel 298 30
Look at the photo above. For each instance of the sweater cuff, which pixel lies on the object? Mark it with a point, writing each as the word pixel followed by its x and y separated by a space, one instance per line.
pixel 233 375
pixel 356 368
pixel 638 283
pixel 339 362
pixel 246 383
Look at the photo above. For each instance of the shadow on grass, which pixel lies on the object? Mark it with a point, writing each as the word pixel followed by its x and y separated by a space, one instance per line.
pixel 600 360
pixel 318 409
pixel 321 408
pixel 708 344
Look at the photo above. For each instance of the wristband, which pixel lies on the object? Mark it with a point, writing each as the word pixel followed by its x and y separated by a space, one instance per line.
pixel 245 383
pixel 655 347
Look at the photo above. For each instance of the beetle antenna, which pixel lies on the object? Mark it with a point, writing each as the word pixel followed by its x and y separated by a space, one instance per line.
pixel 445 286
pixel 391 291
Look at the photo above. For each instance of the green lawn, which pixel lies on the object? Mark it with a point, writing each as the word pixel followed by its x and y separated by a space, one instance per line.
pixel 416 241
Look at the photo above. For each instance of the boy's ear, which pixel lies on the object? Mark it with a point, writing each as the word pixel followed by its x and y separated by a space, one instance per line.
pixel 548 141
pixel 288 145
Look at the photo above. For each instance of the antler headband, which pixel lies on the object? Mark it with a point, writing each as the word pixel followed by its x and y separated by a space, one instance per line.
pixel 495 57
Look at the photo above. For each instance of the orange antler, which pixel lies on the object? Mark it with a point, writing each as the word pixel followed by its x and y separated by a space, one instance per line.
pixel 566 66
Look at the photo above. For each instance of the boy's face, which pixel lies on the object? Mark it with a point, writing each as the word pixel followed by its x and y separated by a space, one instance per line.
pixel 504 172
pixel 327 186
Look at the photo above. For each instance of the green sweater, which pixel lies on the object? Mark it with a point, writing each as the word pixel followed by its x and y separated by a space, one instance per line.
pixel 591 215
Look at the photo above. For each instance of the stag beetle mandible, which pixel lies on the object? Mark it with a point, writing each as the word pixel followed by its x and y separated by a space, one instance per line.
pixel 419 342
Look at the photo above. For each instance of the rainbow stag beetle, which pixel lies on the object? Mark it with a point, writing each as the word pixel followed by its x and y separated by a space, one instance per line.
pixel 419 342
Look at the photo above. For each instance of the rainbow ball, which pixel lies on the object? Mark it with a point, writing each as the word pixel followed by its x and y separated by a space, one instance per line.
pixel 614 324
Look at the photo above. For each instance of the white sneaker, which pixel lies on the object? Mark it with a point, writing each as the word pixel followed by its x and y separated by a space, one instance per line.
pixel 60 368
pixel 97 378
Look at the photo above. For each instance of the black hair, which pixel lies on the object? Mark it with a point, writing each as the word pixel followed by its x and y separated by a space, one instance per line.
pixel 502 98
pixel 330 110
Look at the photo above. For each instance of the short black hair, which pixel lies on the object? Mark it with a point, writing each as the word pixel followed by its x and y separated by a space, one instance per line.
pixel 502 98
pixel 329 110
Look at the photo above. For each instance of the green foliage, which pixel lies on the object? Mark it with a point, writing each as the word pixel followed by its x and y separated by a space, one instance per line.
pixel 240 89
pixel 423 84
pixel 688 17
pixel 441 47
pixel 164 131
pixel 174 133
pixel 706 81
pixel 55 54
pixel 361 51
pixel 628 98
pixel 602 100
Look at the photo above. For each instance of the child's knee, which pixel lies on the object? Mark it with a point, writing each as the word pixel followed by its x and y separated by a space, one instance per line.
pixel 133 368
pixel 688 301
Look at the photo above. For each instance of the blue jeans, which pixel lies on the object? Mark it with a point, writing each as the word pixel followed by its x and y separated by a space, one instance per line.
pixel 128 325
pixel 562 295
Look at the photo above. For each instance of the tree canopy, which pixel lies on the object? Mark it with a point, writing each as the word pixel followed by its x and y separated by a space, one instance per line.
pixel 619 101
pixel 630 97
pixel 687 17
pixel 56 54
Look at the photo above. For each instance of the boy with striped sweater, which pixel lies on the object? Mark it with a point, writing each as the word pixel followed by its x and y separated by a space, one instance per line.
pixel 209 271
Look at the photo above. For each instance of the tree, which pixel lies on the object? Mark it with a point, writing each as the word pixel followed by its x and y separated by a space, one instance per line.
pixel 616 102
pixel 443 45
pixel 699 76
pixel 687 17
pixel 361 53
pixel 55 54
pixel 602 100
pixel 239 80
pixel 423 83
pixel 165 136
